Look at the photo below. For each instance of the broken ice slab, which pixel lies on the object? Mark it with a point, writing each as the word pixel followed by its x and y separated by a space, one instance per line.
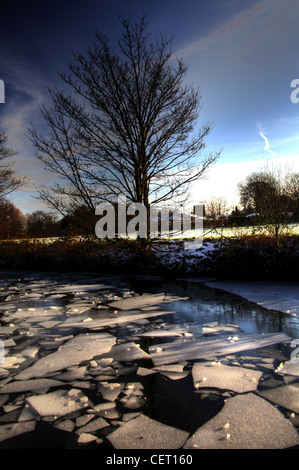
pixel 288 368
pixel 49 324
pixel 77 308
pixel 81 348
pixel 146 433
pixel 246 421
pixel 110 391
pixel 7 330
pixel 215 327
pixel 167 353
pixel 284 395
pixel 86 438
pixel 75 373
pixel 173 371
pixel 33 312
pixel 144 371
pixel 7 431
pixel 59 403
pixel 216 375
pixel 107 409
pixel 281 296
pixel 29 385
pixel 156 333
pixel 65 425
pixel 144 300
pixel 109 319
pixel 92 426
pixel 133 402
pixel 78 288
pixel 126 352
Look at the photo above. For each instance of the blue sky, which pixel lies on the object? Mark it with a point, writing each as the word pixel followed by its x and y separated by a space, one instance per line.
pixel 242 54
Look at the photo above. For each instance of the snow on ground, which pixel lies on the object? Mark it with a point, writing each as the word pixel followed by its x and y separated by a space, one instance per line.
pixel 172 254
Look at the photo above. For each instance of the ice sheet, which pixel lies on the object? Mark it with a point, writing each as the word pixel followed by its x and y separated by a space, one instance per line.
pixel 143 301
pixel 146 433
pixel 81 348
pixel 110 319
pixel 216 375
pixel 29 385
pixel 59 403
pixel 8 431
pixel 281 296
pixel 167 353
pixel 245 422
pixel 284 395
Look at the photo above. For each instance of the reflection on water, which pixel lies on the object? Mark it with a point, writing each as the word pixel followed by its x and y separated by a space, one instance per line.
pixel 207 305
pixel 204 304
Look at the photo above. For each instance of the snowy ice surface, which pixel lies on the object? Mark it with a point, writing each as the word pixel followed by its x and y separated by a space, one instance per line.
pixel 51 372
pixel 14 429
pixel 281 296
pixel 59 403
pixel 284 395
pixel 216 375
pixel 81 348
pixel 144 300
pixel 146 433
pixel 245 422
pixel 167 353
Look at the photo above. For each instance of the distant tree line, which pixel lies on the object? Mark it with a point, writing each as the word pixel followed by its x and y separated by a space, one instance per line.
pixel 42 224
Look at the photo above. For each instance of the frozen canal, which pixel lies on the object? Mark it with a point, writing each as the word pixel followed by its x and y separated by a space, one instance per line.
pixel 145 363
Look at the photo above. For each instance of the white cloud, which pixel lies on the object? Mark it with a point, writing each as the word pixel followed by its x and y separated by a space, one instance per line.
pixel 223 178
pixel 267 146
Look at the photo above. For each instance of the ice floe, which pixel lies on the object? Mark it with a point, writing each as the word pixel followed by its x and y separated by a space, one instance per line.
pixel 216 375
pixel 146 433
pixel 143 301
pixel 8 431
pixel 29 385
pixel 81 348
pixel 58 403
pixel 245 422
pixel 167 353
pixel 284 395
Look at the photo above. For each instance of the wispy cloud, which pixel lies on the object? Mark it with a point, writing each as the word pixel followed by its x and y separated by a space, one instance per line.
pixel 262 133
pixel 234 24
pixel 26 92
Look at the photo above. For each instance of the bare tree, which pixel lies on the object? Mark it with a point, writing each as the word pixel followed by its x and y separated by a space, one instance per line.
pixel 9 181
pixel 125 127
pixel 217 207
pixel 42 224
pixel 266 194
pixel 12 220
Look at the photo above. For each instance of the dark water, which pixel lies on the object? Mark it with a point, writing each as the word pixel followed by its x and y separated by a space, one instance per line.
pixel 207 304
pixel 204 304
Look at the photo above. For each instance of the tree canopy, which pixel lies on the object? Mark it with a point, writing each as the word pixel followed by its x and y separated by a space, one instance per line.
pixel 127 125
pixel 9 181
